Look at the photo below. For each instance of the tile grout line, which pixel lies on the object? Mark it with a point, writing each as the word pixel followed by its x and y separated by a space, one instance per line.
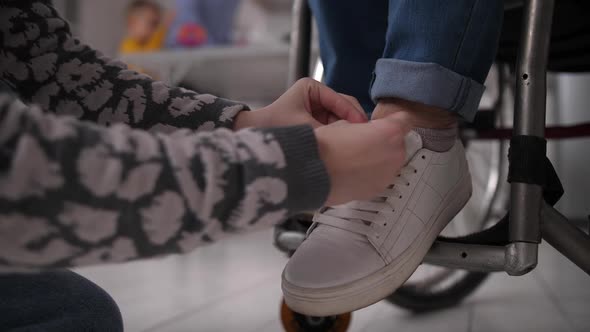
pixel 163 323
pixel 554 299
pixel 263 326
pixel 470 319
pixel 365 327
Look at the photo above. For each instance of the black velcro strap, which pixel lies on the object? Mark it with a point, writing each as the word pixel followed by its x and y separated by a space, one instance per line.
pixel 498 234
pixel 553 189
pixel 527 156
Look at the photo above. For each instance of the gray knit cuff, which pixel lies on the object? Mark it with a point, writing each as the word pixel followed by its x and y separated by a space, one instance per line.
pixel 306 175
pixel 223 112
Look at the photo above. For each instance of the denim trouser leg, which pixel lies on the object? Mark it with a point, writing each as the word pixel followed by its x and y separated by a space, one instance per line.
pixel 59 301
pixel 352 39
pixel 437 52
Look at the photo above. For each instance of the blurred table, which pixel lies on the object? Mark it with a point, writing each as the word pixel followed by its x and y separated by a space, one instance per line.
pixel 254 74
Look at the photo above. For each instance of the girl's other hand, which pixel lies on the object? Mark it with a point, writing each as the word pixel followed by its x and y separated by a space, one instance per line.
pixel 306 102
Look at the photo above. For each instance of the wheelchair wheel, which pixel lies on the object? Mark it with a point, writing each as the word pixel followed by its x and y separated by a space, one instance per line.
pixel 433 287
pixel 444 289
pixel 296 322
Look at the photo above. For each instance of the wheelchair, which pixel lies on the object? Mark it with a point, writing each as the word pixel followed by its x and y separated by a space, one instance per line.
pixel 502 226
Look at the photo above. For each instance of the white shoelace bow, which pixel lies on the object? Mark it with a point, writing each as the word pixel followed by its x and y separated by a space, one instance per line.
pixel 367 217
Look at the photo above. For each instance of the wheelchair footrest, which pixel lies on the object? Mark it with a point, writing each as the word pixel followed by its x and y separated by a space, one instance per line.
pixel 494 236
pixel 472 257
pixel 516 258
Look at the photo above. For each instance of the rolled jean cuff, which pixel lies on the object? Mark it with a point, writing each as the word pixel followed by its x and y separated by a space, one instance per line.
pixel 427 83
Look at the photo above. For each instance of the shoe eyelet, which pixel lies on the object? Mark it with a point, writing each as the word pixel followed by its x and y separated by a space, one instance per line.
pixel 423 157
pixel 407 184
pixel 385 224
pixel 415 171
pixel 400 196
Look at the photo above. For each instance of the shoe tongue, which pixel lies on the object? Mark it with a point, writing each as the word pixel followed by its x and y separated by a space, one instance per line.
pixel 413 143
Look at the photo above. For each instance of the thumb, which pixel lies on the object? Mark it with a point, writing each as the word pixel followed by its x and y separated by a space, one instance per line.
pixel 394 127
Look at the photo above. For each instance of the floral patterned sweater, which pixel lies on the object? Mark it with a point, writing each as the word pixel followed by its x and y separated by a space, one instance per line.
pixel 102 164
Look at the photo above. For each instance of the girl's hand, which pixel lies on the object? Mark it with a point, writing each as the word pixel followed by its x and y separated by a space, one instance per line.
pixel 306 102
pixel 362 159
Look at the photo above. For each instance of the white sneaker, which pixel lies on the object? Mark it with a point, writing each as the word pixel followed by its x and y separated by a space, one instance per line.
pixel 359 253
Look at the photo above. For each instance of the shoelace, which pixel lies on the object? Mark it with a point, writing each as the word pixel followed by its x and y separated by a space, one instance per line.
pixel 363 216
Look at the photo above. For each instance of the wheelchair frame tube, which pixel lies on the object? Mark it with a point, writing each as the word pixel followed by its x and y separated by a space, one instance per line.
pixel 529 119
pixel 565 237
pixel 300 51
pixel 470 257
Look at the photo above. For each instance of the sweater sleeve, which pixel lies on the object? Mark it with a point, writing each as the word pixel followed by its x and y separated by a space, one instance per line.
pixel 73 193
pixel 45 65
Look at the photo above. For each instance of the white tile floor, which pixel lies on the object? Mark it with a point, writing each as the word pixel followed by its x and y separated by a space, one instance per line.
pixel 234 285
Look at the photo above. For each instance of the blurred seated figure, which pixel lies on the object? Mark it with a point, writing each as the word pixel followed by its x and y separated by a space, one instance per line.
pixel 202 23
pixel 146 27
pixel 263 22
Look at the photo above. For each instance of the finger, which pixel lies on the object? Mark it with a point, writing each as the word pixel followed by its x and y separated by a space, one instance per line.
pixel 315 123
pixel 356 104
pixel 339 123
pixel 331 101
pixel 332 118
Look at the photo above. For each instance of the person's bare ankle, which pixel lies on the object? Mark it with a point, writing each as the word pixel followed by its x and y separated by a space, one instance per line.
pixel 421 116
pixel 436 126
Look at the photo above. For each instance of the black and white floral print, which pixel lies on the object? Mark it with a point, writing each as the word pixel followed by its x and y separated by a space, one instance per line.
pixel 111 165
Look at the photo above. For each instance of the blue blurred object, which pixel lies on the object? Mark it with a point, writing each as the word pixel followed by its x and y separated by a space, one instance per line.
pixel 202 23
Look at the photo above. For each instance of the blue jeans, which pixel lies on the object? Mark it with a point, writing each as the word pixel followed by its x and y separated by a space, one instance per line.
pixel 60 301
pixel 435 52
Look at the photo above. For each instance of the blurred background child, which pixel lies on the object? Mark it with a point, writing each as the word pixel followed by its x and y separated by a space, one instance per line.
pixel 203 23
pixel 146 27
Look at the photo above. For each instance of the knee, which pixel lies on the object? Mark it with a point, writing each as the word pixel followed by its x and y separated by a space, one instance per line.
pixel 105 314
pixel 56 301
pixel 85 306
pixel 98 310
